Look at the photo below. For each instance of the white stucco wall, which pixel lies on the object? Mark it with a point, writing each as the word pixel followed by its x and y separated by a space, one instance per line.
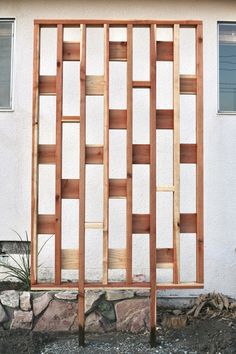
pixel 219 136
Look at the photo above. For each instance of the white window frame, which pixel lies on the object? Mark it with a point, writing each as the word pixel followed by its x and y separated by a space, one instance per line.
pixel 219 112
pixel 11 108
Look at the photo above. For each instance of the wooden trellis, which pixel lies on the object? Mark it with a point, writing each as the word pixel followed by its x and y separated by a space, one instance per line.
pixel 136 154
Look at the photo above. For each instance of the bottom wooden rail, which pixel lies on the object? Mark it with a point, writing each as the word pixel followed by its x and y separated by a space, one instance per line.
pixel 116 285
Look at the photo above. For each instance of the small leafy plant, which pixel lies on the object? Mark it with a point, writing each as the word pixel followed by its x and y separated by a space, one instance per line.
pixel 19 269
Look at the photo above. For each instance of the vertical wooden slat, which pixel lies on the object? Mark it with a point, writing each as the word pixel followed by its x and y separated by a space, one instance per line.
pixel 106 156
pixel 200 164
pixel 129 153
pixel 58 154
pixel 176 157
pixel 35 116
pixel 82 184
pixel 153 185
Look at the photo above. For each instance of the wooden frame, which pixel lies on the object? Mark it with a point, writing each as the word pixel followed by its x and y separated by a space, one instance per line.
pixel 136 154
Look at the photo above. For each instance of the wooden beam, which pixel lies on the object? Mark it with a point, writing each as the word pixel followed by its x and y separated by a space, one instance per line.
pixel 141 84
pixel 118 51
pixel 94 85
pixel 164 51
pixel 188 223
pixel 165 118
pixel 70 188
pixel 59 80
pixel 71 51
pixel 188 153
pixel 94 154
pixel 47 85
pixel 176 159
pixel 141 154
pixel 188 84
pixel 117 188
pixel 200 157
pixel 141 223
pixel 152 217
pixel 46 224
pixel 69 259
pixel 117 258
pixel 35 137
pixel 47 154
pixel 106 157
pixel 129 154
pixel 118 119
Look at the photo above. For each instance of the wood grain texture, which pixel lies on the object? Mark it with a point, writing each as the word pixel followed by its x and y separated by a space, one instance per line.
pixel 188 153
pixel 117 188
pixel 117 258
pixel 200 157
pixel 69 259
pixel 188 223
pixel 141 223
pixel 47 154
pixel 106 157
pixel 70 188
pixel 164 51
pixel 152 218
pixel 141 154
pixel 59 79
pixel 35 138
pixel 47 85
pixel 82 183
pixel 71 51
pixel 94 154
pixel 46 224
pixel 188 84
pixel 118 119
pixel 129 154
pixel 176 159
pixel 118 51
pixel 94 85
pixel 165 119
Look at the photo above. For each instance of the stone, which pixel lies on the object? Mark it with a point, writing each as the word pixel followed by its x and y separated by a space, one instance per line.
pixel 59 316
pixel 93 323
pixel 91 297
pixel 115 295
pixel 106 309
pixel 177 312
pixel 41 303
pixel 67 295
pixel 10 298
pixel 133 315
pixel 25 304
pixel 3 315
pixel 22 319
pixel 142 293
pixel 174 322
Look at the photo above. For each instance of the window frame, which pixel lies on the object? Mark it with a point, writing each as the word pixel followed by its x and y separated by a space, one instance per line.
pixel 220 112
pixel 11 107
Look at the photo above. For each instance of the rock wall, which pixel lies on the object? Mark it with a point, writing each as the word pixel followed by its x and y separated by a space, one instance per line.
pixel 121 310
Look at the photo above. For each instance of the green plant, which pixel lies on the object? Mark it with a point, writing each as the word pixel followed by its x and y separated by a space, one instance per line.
pixel 20 268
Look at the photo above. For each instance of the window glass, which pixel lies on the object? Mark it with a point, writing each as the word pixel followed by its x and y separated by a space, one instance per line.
pixel 227 67
pixel 6 36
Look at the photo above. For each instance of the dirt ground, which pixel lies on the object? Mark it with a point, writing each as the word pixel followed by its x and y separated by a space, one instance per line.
pixel 210 335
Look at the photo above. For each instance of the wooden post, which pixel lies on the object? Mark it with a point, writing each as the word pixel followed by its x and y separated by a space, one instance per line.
pixel 82 184
pixel 129 154
pixel 35 128
pixel 153 185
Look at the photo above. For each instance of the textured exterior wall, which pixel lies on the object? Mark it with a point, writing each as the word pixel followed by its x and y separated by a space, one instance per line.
pixel 220 142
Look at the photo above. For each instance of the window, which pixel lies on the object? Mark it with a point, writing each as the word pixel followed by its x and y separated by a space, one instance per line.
pixel 6 60
pixel 227 67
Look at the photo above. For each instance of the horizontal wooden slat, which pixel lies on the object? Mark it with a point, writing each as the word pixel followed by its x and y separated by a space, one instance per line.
pixel 118 51
pixel 165 189
pixel 188 84
pixel 165 255
pixel 46 154
pixel 165 118
pixel 71 51
pixel 46 224
pixel 94 85
pixel 140 223
pixel 116 258
pixel 70 259
pixel 94 154
pixel 117 119
pixel 70 188
pixel 141 84
pixel 164 51
pixel 117 188
pixel 94 225
pixel 188 223
pixel 70 119
pixel 47 85
pixel 188 153
pixel 141 153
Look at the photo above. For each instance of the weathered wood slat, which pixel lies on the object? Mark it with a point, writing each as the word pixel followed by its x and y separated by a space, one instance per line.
pixel 188 84
pixel 94 85
pixel 164 51
pixel 141 154
pixel 116 258
pixel 118 119
pixel 141 223
pixel 117 188
pixel 93 154
pixel 71 51
pixel 141 84
pixel 70 259
pixel 188 223
pixel 47 154
pixel 47 85
pixel 188 153
pixel 165 119
pixel 118 51
pixel 70 188
pixel 46 224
